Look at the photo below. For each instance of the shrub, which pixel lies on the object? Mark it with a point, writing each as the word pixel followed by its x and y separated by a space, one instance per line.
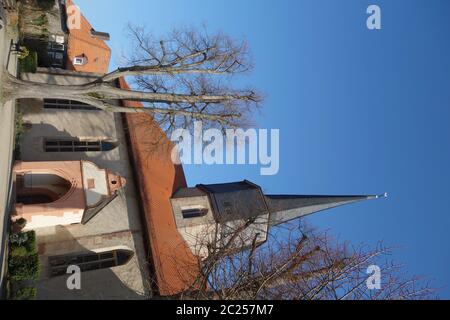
pixel 18 239
pixel 24 268
pixel 23 53
pixel 25 294
pixel 19 252
pixel 31 243
pixel 24 258
pixel 30 63
pixel 19 131
pixel 25 239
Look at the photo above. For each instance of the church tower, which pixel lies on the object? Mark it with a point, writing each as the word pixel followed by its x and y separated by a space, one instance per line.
pixel 222 208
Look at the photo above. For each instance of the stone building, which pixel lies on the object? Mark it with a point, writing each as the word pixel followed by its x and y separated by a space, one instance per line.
pixel 99 198
pixel 75 186
pixel 209 213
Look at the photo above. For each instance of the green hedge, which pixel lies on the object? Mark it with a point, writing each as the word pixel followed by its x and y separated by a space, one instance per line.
pixel 19 252
pixel 19 131
pixel 24 259
pixel 30 63
pixel 25 294
pixel 24 268
pixel 29 242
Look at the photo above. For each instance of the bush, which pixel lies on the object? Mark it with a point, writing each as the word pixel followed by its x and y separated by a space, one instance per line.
pixel 31 243
pixel 25 239
pixel 23 53
pixel 18 239
pixel 24 258
pixel 25 294
pixel 19 252
pixel 30 63
pixel 19 131
pixel 24 268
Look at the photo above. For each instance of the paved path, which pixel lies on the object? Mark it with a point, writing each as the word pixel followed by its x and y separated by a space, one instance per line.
pixel 7 112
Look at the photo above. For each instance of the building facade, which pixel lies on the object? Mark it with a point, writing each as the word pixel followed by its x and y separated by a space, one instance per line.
pixel 100 198
pixel 75 183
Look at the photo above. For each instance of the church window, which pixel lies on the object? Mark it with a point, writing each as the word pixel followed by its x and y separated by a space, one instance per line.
pixel 72 145
pixel 59 104
pixel 89 261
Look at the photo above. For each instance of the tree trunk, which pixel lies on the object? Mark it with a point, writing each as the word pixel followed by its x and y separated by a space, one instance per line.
pixel 14 88
pixel 100 95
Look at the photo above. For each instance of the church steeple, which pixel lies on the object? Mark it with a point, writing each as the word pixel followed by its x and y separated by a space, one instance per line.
pixel 231 204
pixel 243 200
pixel 285 208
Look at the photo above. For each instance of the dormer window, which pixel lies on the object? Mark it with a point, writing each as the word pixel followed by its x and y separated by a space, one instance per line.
pixel 80 61
pixel 100 35
pixel 194 213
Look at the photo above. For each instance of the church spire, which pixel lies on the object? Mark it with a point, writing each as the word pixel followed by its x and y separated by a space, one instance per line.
pixel 285 208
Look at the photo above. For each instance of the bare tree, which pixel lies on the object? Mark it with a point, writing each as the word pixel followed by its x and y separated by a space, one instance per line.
pixel 181 78
pixel 296 263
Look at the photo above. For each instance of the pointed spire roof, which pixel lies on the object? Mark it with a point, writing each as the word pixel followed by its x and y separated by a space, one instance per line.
pixel 285 208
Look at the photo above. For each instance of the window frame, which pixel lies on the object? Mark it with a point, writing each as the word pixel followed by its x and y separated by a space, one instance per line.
pixel 81 59
pixel 193 213
pixel 61 145
pixel 88 261
pixel 60 104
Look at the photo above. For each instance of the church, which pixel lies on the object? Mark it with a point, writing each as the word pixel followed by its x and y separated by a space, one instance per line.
pixel 201 211
pixel 98 198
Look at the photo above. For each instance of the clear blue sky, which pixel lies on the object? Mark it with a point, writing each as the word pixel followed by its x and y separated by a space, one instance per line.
pixel 359 111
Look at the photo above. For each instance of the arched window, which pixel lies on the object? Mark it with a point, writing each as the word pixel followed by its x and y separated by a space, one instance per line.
pixel 89 261
pixel 40 188
pixel 60 104
pixel 108 145
pixel 73 145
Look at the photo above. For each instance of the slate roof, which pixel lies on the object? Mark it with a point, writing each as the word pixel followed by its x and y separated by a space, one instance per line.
pixel 236 200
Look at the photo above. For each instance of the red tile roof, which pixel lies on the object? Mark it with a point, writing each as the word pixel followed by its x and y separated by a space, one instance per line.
pixel 81 43
pixel 174 264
